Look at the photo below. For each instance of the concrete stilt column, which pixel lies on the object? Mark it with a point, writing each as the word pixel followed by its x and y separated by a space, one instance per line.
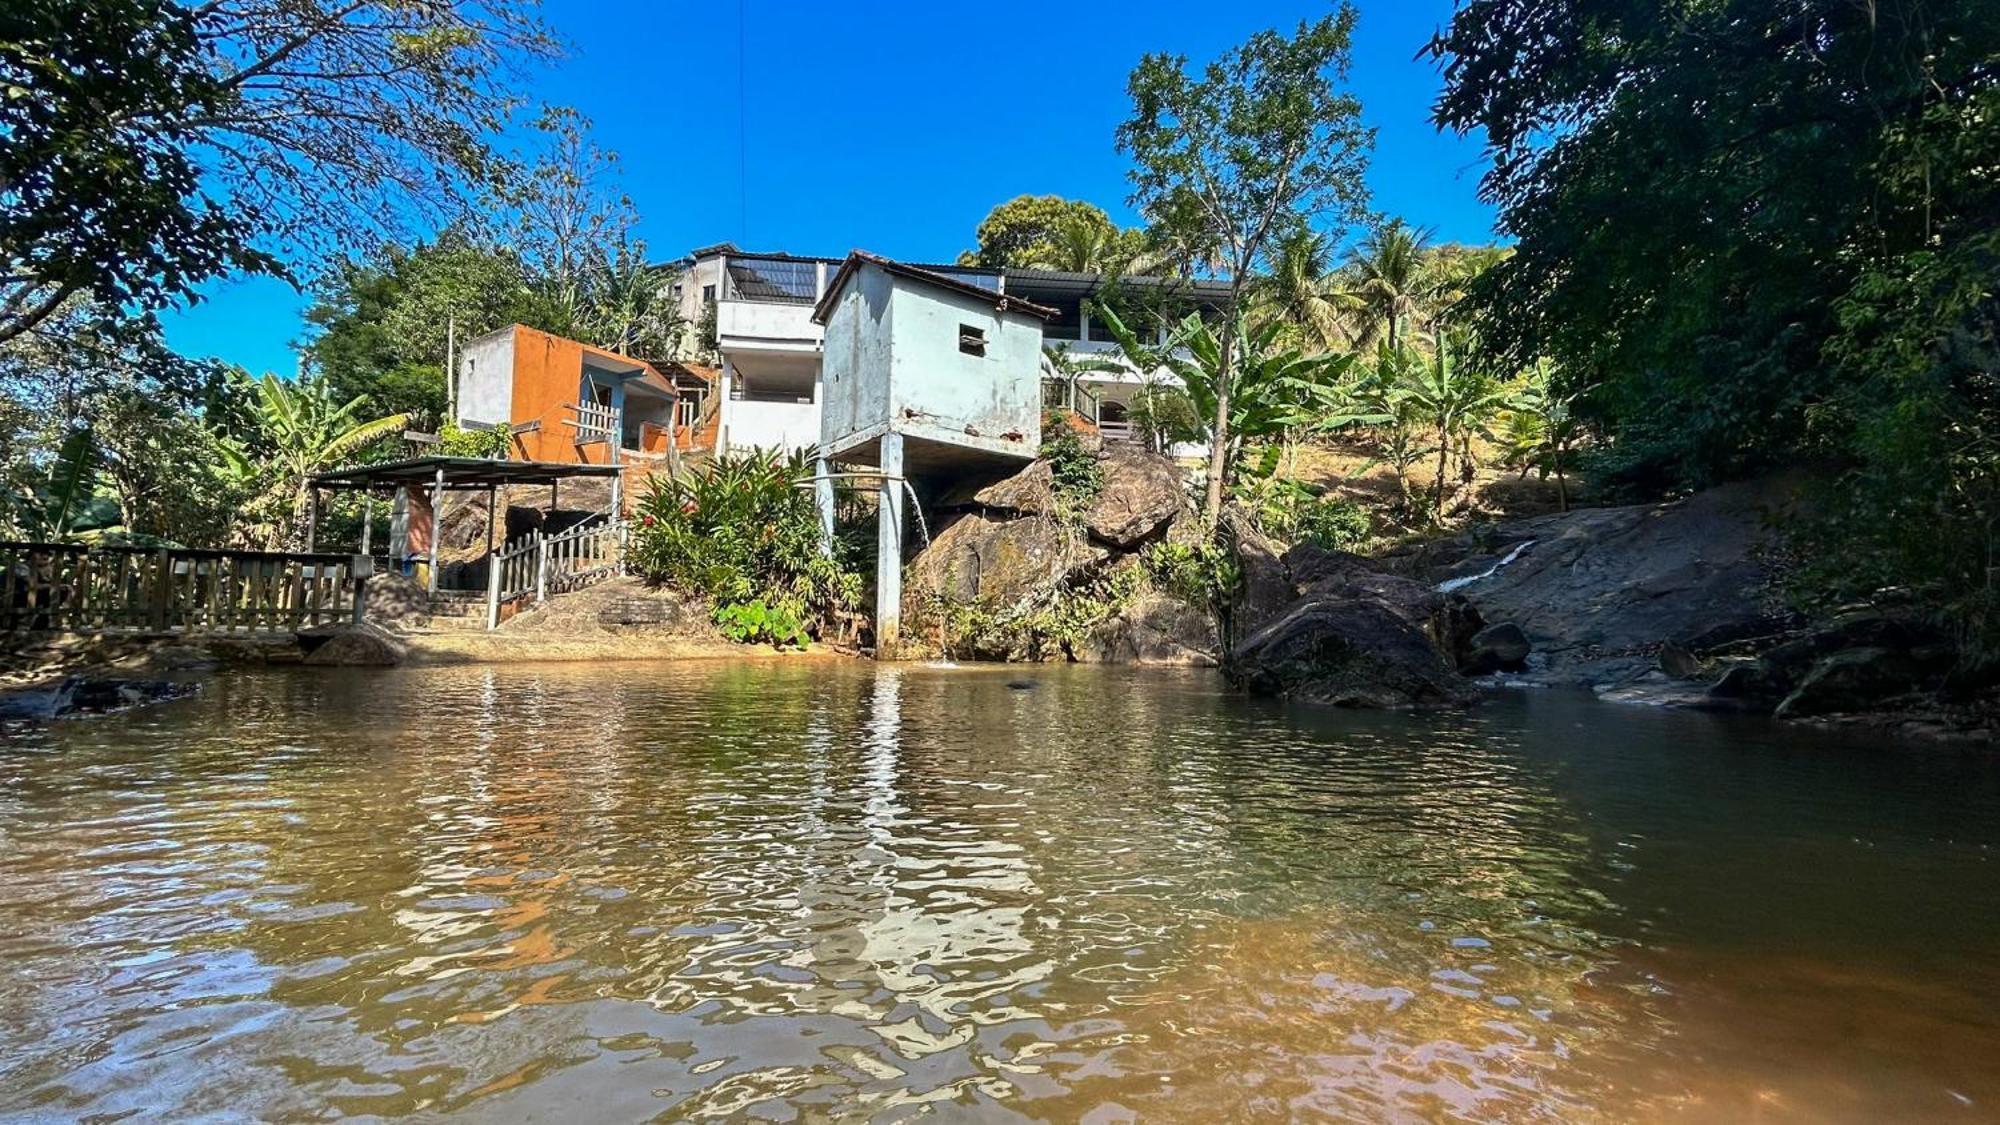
pixel 823 496
pixel 889 550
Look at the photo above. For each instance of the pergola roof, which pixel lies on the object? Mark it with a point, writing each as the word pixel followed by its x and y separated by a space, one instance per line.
pixel 460 474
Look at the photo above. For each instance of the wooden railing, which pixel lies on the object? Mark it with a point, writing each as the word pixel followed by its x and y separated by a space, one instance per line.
pixel 67 587
pixel 537 565
pixel 594 423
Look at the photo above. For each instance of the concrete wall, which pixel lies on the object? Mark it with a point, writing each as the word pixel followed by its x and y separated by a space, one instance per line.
pixel 940 390
pixel 854 365
pixel 782 426
pixel 766 324
pixel 486 379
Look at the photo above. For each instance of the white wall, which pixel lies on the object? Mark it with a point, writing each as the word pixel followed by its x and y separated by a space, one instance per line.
pixel 766 324
pixel 854 367
pixel 938 387
pixel 786 426
pixel 486 379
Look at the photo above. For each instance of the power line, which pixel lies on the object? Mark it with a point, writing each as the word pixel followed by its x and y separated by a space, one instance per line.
pixel 742 132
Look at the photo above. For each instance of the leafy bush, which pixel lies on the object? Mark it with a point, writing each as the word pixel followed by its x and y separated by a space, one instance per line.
pixel 1201 574
pixel 1075 475
pixel 742 532
pixel 1331 523
pixel 493 444
pixel 755 622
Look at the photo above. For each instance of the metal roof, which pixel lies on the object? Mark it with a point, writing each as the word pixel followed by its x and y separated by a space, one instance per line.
pixel 1004 302
pixel 460 473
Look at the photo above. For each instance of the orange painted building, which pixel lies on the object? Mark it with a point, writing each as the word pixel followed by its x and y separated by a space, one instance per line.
pixel 566 401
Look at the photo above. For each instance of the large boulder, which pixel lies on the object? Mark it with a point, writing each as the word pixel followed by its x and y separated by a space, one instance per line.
pixel 1350 651
pixel 1853 679
pixel 1268 589
pixel 1153 628
pixel 1000 560
pixel 1142 494
pixel 348 645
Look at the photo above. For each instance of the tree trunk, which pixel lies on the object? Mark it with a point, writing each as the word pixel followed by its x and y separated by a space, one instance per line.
pixel 1218 449
pixel 1444 469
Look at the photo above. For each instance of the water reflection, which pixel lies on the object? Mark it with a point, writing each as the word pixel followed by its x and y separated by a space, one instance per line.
pixel 822 890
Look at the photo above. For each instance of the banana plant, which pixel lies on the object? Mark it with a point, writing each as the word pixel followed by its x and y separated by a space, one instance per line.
pixel 307 430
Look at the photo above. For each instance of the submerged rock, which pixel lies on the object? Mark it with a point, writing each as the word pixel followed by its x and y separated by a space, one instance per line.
pixel 82 697
pixel 348 645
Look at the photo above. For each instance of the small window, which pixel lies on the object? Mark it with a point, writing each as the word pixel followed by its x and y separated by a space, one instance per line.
pixel 708 293
pixel 971 341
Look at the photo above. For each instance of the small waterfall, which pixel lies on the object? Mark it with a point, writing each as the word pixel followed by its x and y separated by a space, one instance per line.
pixel 922 528
pixel 1451 585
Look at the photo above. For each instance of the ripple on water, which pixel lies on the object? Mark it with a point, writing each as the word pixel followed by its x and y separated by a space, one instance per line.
pixel 827 889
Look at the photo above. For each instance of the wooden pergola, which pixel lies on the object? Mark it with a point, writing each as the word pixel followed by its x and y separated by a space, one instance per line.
pixel 448 474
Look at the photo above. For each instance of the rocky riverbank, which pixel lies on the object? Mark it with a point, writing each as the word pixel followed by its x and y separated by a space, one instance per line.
pixel 1668 604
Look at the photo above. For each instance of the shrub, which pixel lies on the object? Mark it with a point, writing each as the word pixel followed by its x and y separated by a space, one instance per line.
pixel 1201 574
pixel 1334 524
pixel 1075 476
pixel 755 622
pixel 742 532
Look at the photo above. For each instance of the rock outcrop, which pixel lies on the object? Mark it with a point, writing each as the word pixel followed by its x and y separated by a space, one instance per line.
pixel 82 697
pixel 1327 627
pixel 348 645
pixel 1016 572
pixel 1597 592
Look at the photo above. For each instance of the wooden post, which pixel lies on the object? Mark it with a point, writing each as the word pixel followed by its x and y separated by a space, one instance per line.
pixel 367 521
pixel 163 589
pixel 492 592
pixel 312 521
pixel 541 568
pixel 437 527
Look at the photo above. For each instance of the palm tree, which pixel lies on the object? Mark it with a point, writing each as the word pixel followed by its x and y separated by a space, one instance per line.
pixel 1390 279
pixel 306 430
pixel 1303 288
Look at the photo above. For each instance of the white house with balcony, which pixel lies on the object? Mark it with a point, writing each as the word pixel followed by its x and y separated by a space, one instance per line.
pixel 770 348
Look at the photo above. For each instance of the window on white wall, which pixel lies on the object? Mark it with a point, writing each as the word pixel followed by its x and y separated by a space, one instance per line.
pixel 971 341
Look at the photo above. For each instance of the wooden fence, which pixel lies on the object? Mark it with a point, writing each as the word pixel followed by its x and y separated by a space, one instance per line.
pixel 539 565
pixel 84 589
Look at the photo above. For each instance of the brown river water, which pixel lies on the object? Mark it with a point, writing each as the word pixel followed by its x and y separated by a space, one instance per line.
pixel 816 890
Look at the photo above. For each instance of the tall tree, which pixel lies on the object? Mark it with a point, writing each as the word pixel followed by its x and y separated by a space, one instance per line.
pixel 1761 229
pixel 153 145
pixel 1050 232
pixel 1263 140
pixel 100 196
pixel 1391 277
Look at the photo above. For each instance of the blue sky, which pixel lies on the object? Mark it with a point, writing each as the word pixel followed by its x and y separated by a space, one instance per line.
pixel 895 127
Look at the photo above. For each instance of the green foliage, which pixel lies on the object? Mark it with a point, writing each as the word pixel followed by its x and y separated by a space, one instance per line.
pixel 1052 233
pixel 1075 476
pixel 1054 627
pixel 494 444
pixel 102 194
pixel 381 323
pixel 1763 233
pixel 754 622
pixel 740 530
pixel 303 428
pixel 1201 574
pixel 1262 142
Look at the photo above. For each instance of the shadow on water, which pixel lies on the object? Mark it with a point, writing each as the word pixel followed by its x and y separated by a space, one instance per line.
pixel 830 890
